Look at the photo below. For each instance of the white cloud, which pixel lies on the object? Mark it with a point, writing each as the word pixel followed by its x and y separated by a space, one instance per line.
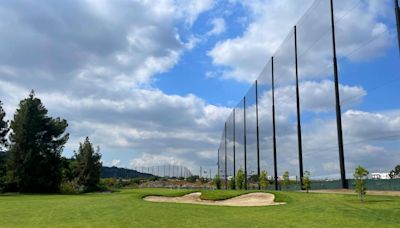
pixel 219 27
pixel 115 162
pixel 246 55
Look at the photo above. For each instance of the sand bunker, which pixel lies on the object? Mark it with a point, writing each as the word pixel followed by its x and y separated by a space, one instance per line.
pixel 251 199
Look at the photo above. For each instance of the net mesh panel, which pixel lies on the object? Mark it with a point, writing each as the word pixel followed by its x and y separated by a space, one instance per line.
pixel 221 157
pixel 265 120
pixel 239 126
pixel 229 140
pixel 251 136
pixel 317 98
pixel 369 72
pixel 285 108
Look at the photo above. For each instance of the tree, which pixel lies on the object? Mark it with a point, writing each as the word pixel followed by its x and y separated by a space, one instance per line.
pixel 306 181
pixel 3 170
pixel 286 180
pixel 360 174
pixel 34 161
pixel 3 146
pixel 217 181
pixel 88 166
pixel 240 179
pixel 395 172
pixel 263 180
pixel 4 129
pixel 232 183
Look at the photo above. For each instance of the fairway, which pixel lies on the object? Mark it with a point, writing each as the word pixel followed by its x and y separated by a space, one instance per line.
pixel 127 209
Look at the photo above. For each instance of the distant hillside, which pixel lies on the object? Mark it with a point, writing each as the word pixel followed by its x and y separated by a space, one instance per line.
pixel 109 172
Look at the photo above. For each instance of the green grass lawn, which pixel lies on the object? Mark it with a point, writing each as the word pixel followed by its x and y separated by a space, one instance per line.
pixel 127 209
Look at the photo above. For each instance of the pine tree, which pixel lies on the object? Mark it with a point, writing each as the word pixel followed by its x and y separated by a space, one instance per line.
pixel 88 166
pixel 37 141
pixel 4 128
pixel 3 146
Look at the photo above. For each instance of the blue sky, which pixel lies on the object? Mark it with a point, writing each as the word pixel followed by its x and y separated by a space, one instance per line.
pixel 153 83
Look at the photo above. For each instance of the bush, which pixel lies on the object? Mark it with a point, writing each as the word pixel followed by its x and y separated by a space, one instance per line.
pixel 360 174
pixel 69 188
pixel 217 182
pixel 286 180
pixel 240 179
pixel 232 183
pixel 306 181
pixel 263 180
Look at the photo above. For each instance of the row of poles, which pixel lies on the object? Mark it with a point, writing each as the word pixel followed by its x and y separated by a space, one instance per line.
pixel 166 171
pixel 344 183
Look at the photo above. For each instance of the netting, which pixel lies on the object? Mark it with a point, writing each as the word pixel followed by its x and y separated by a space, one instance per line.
pixel 251 135
pixel 368 76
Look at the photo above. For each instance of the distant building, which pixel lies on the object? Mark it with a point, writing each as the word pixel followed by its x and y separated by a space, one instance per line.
pixel 380 176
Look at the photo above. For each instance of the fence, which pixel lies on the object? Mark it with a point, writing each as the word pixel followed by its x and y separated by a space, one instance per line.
pixel 325 102
pixel 170 171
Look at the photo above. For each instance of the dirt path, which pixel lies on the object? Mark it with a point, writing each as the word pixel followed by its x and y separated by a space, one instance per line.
pixel 251 199
pixel 351 191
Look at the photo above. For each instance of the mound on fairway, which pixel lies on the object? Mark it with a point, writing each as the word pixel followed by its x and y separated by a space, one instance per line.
pixel 250 199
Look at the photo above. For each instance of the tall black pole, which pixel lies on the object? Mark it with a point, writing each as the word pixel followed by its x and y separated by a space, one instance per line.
pixel 397 12
pixel 245 143
pixel 234 145
pixel 299 139
pixel 258 137
pixel 338 110
pixel 226 176
pixel 273 124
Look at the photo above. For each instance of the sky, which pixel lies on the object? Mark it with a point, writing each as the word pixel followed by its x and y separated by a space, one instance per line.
pixel 153 82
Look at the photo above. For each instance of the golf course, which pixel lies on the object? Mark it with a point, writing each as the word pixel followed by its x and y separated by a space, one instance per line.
pixel 128 209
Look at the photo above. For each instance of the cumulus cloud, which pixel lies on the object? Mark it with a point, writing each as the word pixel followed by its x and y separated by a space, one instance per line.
pixel 93 63
pixel 219 26
pixel 246 55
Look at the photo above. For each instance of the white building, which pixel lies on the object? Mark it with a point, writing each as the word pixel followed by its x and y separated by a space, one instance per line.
pixel 380 176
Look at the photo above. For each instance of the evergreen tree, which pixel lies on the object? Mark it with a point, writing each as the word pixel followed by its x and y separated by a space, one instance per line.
pixel 88 166
pixel 3 146
pixel 34 161
pixel 4 128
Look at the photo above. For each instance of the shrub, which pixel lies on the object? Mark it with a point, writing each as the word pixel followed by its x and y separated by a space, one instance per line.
pixel 360 174
pixel 69 188
pixel 263 180
pixel 217 182
pixel 240 179
pixel 286 180
pixel 306 181
pixel 232 183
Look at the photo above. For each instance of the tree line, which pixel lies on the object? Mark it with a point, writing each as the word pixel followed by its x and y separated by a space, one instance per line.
pixel 31 160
